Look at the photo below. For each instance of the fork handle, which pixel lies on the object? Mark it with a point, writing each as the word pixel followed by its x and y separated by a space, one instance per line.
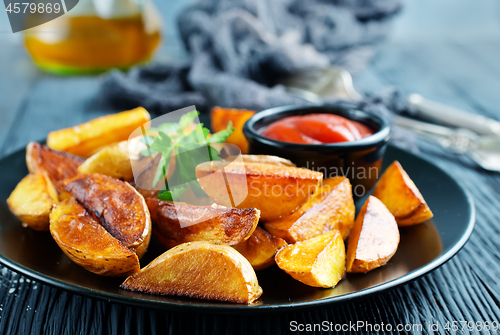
pixel 437 112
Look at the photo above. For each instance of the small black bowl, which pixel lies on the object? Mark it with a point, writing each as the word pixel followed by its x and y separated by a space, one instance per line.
pixel 359 160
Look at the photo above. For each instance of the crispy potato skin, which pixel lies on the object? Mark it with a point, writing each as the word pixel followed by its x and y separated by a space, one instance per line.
pixel 401 196
pixel 32 201
pixel 223 225
pixel 332 207
pixel 57 165
pixel 199 270
pixel 88 244
pixel 374 238
pixel 317 262
pixel 275 190
pixel 260 248
pixel 87 138
pixel 220 118
pixel 117 206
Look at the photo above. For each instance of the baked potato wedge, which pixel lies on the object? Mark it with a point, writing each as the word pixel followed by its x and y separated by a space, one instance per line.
pixel 374 238
pixel 112 161
pixel 317 262
pixel 332 207
pixel 32 201
pixel 275 190
pixel 87 138
pixel 220 118
pixel 88 244
pixel 401 196
pixel 260 248
pixel 120 209
pixel 120 161
pixel 57 165
pixel 216 224
pixel 199 270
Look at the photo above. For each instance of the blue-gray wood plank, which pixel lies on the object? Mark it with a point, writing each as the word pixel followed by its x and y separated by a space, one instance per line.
pixel 455 62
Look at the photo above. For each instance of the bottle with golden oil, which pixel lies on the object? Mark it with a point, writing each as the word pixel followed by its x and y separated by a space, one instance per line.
pixel 95 36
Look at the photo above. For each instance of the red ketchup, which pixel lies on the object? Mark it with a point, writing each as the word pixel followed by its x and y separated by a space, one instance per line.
pixel 316 129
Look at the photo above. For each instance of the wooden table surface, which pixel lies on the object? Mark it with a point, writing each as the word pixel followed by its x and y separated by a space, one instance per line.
pixel 448 52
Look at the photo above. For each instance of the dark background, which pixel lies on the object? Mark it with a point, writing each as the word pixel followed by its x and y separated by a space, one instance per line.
pixel 447 50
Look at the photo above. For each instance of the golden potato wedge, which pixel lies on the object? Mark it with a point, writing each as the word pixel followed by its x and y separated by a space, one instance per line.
pixel 112 161
pixel 57 165
pixel 284 226
pixel 199 270
pixel 374 238
pixel 87 138
pixel 222 225
pixel 260 248
pixel 275 190
pixel 318 262
pixel 421 214
pixel 401 196
pixel 88 244
pixel 332 207
pixel 32 201
pixel 116 160
pixel 220 118
pixel 120 209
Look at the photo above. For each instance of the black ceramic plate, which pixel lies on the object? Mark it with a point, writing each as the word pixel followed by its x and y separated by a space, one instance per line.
pixel 422 249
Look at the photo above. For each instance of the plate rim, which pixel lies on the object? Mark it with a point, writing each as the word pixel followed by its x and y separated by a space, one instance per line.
pixel 251 309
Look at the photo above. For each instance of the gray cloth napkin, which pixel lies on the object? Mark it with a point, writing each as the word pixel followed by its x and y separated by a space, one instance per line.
pixel 241 49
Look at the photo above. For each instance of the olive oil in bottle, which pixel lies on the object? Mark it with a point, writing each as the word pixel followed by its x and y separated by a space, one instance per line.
pixel 95 36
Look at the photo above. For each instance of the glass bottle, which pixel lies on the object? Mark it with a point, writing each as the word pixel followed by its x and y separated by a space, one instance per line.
pixel 95 36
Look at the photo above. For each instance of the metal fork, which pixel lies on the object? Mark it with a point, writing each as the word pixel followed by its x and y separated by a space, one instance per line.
pixel 476 136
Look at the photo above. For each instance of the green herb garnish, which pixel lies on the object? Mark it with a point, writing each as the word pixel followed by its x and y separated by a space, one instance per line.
pixel 190 148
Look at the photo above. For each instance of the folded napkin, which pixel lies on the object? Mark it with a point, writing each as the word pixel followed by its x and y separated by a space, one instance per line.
pixel 241 49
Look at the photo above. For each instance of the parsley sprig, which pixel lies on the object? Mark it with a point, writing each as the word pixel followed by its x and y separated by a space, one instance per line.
pixel 183 139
